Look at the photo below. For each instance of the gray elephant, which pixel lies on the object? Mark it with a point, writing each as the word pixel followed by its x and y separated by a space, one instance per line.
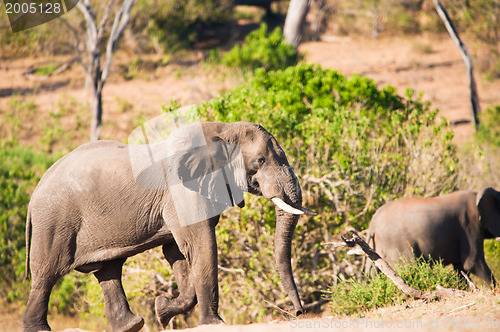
pixel 451 227
pixel 92 210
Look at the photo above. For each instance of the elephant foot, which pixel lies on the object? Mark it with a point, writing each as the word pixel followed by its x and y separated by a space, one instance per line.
pixel 36 328
pixel 164 312
pixel 133 324
pixel 212 320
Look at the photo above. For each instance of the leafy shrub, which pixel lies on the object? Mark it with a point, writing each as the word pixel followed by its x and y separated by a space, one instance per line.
pixel 352 297
pixel 260 50
pixel 353 147
pixel 20 170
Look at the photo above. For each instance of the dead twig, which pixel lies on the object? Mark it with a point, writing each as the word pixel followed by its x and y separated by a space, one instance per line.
pixel 232 270
pixel 461 307
pixel 469 281
pixel 282 310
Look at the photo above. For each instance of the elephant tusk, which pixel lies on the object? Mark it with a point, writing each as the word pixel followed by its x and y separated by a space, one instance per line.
pixel 308 212
pixel 285 207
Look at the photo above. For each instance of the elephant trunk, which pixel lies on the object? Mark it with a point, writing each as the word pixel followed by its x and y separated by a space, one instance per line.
pixel 285 227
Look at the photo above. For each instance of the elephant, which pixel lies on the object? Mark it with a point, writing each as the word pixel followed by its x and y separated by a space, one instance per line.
pixel 450 227
pixel 94 208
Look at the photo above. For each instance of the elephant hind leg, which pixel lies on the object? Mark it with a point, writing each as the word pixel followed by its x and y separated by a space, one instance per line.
pixel 35 314
pixel 167 308
pixel 117 309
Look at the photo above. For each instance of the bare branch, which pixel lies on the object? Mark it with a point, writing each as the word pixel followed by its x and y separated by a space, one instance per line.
pixel 474 98
pixel 86 10
pixel 100 30
pixel 368 202
pixel 462 307
pixel 121 20
pixel 78 50
pixel 469 281
pixel 282 310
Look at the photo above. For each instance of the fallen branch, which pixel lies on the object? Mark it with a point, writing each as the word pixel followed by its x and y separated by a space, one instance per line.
pixel 462 307
pixel 469 281
pixel 386 269
pixel 280 309
pixel 61 68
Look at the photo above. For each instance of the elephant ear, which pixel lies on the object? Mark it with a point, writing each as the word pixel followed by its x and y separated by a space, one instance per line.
pixel 488 205
pixel 205 175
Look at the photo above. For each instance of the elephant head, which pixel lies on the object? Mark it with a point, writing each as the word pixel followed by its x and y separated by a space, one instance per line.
pixel 212 164
pixel 488 205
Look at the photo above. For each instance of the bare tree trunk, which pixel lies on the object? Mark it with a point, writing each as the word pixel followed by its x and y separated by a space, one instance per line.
pixel 295 17
pixel 474 98
pixel 96 78
pixel 96 122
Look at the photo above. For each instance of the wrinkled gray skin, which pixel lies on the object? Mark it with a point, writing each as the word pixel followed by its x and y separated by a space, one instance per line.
pixel 87 214
pixel 450 227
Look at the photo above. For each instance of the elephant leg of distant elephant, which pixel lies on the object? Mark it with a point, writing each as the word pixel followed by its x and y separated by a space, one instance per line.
pixel 35 314
pixel 167 308
pixel 117 309
pixel 483 272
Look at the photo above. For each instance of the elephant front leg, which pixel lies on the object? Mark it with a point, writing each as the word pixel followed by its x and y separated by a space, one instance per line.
pixel 167 308
pixel 198 245
pixel 117 309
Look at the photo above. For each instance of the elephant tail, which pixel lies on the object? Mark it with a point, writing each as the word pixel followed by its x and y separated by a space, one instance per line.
pixel 28 244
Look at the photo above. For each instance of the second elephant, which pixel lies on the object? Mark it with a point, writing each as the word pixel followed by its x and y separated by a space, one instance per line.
pixel 451 227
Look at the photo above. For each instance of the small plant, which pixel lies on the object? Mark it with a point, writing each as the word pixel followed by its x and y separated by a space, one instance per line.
pixel 489 129
pixel 352 297
pixel 47 69
pixel 18 115
pixel 260 50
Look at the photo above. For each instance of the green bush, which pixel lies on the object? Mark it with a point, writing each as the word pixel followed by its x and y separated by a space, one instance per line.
pixel 20 170
pixel 353 147
pixel 352 297
pixel 260 50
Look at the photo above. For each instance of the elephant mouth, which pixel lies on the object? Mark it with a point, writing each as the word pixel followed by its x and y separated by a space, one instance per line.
pixel 253 186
